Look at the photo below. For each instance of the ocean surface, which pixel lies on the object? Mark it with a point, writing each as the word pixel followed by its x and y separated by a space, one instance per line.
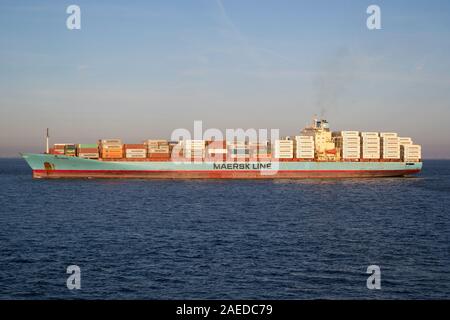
pixel 283 239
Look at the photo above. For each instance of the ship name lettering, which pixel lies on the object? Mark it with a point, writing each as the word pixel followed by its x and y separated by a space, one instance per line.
pixel 241 166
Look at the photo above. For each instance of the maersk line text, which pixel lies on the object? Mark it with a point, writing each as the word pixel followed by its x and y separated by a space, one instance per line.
pixel 243 166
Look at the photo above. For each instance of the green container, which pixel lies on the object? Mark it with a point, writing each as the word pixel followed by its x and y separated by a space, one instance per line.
pixel 87 146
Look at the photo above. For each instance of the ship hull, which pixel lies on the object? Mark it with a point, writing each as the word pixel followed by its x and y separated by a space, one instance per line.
pixel 109 174
pixel 53 166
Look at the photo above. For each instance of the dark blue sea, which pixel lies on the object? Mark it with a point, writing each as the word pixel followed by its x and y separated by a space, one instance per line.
pixel 308 239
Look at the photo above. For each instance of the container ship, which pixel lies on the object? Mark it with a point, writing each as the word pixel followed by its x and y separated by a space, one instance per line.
pixel 316 153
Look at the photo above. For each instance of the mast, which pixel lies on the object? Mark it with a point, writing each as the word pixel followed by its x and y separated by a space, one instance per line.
pixel 47 149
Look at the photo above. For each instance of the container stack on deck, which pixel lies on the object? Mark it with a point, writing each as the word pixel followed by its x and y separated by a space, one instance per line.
pixel 370 146
pixel 194 149
pixel 135 151
pixel 390 146
pixel 58 148
pixel 315 143
pixel 217 150
pixel 349 143
pixel 238 150
pixel 158 150
pixel 111 149
pixel 411 153
pixel 403 141
pixel 88 151
pixel 70 150
pixel 283 149
pixel 304 147
pixel 176 150
pixel 259 150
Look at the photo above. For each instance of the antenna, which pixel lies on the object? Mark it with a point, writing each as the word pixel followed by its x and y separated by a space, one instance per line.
pixel 47 149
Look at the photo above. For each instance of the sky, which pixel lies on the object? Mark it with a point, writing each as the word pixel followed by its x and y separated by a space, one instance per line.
pixel 137 70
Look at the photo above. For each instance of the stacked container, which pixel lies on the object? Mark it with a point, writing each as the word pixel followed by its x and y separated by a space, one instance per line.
pixel 370 145
pixel 135 151
pixel 283 149
pixel 175 149
pixel 111 149
pixel 87 151
pixel 390 146
pixel 411 153
pixel 259 150
pixel 350 144
pixel 304 147
pixel 70 150
pixel 158 149
pixel 194 149
pixel 405 141
pixel 238 150
pixel 217 150
pixel 58 148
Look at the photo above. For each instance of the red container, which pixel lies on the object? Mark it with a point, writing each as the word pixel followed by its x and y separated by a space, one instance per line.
pixel 87 150
pixel 159 155
pixel 218 144
pixel 216 157
pixel 55 151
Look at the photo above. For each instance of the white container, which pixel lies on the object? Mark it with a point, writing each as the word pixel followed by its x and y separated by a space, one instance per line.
pixel 111 142
pixel 369 134
pixel 411 153
pixel 390 147
pixel 111 146
pixel 349 133
pixel 194 142
pixel 197 152
pixel 88 155
pixel 388 134
pixel 158 150
pixel 371 142
pixel 289 143
pixel 351 138
pixel 405 141
pixel 304 138
pixel 305 155
pixel 194 148
pixel 370 151
pixel 304 148
pixel 371 156
pixel 217 151
pixel 135 156
pixel 371 146
pixel 283 149
pixel 350 156
pixel 386 141
pixel 156 141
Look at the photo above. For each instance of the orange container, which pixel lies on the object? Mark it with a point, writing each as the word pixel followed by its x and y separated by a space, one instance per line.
pixel 134 146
